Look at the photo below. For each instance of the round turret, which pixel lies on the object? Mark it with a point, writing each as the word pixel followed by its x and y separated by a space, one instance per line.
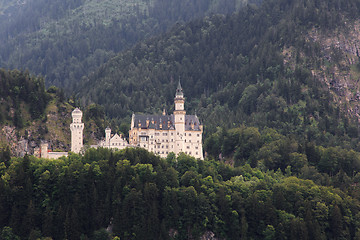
pixel 107 136
pixel 76 113
pixel 77 128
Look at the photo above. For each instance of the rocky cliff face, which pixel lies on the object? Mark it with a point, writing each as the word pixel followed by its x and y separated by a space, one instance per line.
pixel 52 128
pixel 335 57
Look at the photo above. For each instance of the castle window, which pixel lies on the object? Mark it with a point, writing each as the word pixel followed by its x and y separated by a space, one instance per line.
pixel 185 140
pixel 162 146
pixel 167 146
pixel 196 153
pixel 190 134
pixel 185 134
pixel 189 140
pixel 172 134
pixel 188 147
pixel 196 147
pixel 167 152
pixel 164 134
pixel 190 153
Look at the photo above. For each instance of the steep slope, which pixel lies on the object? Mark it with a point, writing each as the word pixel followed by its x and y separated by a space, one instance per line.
pixel 29 114
pixel 65 40
pixel 237 69
pixel 337 63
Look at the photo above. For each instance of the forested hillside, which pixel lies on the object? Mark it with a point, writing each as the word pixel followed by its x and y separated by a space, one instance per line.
pixel 136 195
pixel 276 86
pixel 65 40
pixel 255 67
pixel 29 112
pixel 20 95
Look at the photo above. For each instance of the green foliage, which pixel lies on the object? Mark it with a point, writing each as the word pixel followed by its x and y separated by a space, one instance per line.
pixel 268 149
pixel 233 72
pixel 7 234
pixel 67 40
pixel 21 91
pixel 133 193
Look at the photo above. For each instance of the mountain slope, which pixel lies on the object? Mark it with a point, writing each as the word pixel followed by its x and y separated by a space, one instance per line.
pixel 65 40
pixel 259 67
pixel 255 67
pixel 31 114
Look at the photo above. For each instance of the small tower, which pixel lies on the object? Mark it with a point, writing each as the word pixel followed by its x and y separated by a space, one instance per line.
pixel 44 150
pixel 107 136
pixel 77 128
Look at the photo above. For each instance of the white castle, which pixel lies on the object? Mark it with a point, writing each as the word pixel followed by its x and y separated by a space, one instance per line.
pixel 160 134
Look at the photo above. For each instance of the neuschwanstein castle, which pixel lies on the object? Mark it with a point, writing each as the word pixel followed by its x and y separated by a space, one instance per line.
pixel 160 134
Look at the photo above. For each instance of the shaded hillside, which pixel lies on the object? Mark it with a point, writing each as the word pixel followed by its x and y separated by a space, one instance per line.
pixel 234 70
pixel 65 40
pixel 21 94
pixel 28 112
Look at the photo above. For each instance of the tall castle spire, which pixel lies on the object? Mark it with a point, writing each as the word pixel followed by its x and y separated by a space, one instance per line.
pixel 179 91
pixel 179 98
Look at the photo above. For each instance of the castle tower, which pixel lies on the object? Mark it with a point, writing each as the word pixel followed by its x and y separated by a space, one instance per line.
pixel 44 150
pixel 179 109
pixel 179 118
pixel 107 136
pixel 77 128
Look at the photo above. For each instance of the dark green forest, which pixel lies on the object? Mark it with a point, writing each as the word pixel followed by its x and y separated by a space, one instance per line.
pixel 23 93
pixel 282 156
pixel 136 195
pixel 66 40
